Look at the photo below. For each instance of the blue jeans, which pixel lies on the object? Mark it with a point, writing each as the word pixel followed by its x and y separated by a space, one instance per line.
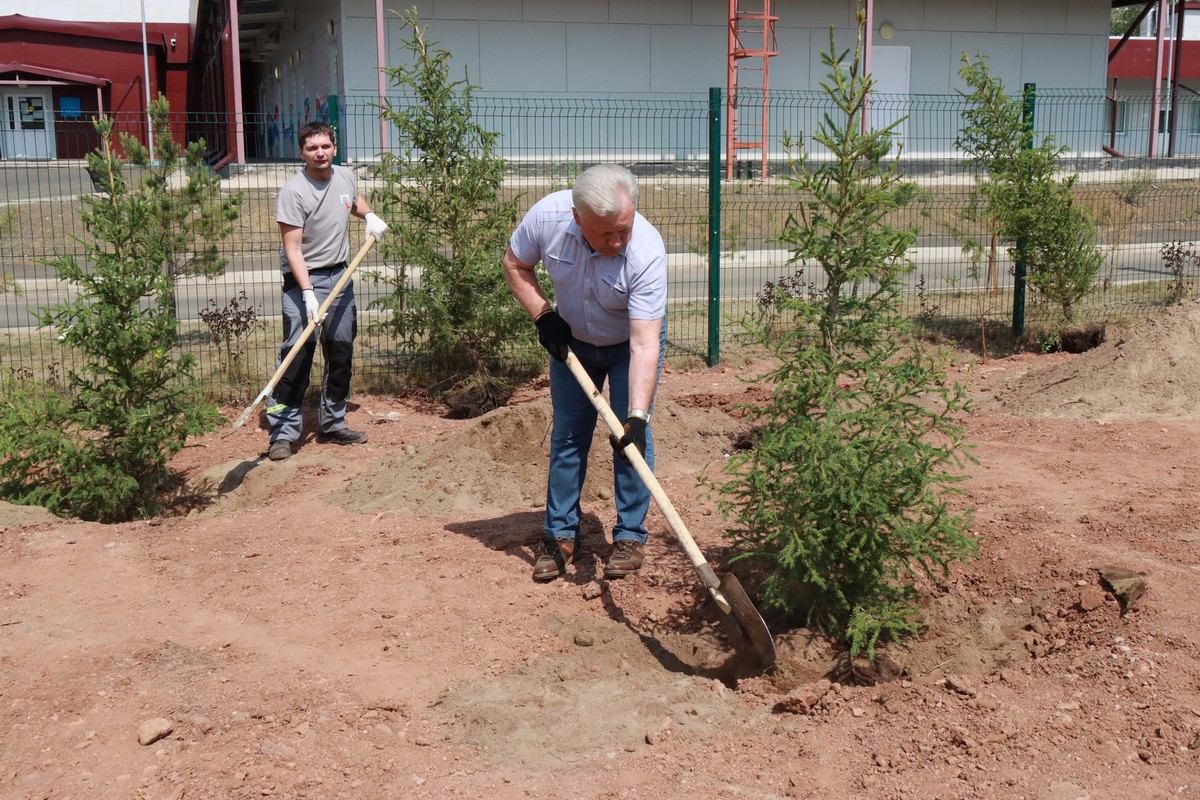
pixel 571 438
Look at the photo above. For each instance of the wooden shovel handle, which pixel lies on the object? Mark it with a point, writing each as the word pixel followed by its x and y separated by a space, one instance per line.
pixel 647 475
pixel 304 334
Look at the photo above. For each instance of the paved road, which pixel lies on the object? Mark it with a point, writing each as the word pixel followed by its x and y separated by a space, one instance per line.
pixel 43 180
pixel 744 275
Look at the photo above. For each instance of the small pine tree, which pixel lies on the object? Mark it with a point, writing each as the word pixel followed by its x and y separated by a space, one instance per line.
pixel 843 497
pixel 443 189
pixel 1036 213
pixel 99 449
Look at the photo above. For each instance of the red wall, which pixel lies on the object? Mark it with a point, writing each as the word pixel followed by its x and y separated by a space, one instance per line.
pixel 110 51
pixel 1136 59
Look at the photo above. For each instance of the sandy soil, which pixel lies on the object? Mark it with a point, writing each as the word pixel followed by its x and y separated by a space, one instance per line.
pixel 360 622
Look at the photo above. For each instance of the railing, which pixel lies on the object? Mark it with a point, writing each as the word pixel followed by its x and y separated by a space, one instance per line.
pixel 1142 204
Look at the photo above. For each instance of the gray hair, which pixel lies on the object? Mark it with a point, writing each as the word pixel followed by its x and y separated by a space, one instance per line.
pixel 602 189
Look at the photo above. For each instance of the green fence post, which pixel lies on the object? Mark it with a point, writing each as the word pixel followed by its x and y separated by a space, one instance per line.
pixel 714 225
pixel 335 120
pixel 1027 113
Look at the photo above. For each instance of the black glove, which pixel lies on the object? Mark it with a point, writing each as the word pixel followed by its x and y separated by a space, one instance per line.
pixel 635 434
pixel 555 334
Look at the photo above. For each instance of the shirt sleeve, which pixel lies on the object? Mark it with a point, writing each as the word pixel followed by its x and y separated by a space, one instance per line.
pixel 526 240
pixel 288 208
pixel 648 277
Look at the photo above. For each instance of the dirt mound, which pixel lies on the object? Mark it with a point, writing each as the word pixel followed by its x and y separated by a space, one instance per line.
pixel 241 483
pixel 1148 369
pixel 547 712
pixel 498 462
pixel 14 516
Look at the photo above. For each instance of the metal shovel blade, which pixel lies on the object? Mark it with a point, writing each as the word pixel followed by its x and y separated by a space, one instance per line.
pixel 745 626
pixel 739 618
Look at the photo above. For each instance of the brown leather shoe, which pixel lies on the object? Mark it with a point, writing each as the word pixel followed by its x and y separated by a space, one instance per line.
pixel 627 558
pixel 554 561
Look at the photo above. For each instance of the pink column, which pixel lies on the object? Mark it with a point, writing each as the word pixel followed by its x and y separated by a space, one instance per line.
pixel 868 40
pixel 235 56
pixel 381 54
pixel 1156 96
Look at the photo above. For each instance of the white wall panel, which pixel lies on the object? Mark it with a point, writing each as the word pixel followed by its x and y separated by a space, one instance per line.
pixel 1088 16
pixel 814 13
pixel 715 12
pixel 479 9
pixel 1056 61
pixel 523 56
pixel 792 68
pixel 663 12
pixel 955 15
pixel 1002 49
pixel 933 60
pixel 689 58
pixel 560 11
pixel 459 38
pixel 1032 16
pixel 608 58
pixel 906 15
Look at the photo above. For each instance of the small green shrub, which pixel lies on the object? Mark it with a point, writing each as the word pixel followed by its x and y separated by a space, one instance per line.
pixel 442 192
pixel 98 446
pixel 1177 257
pixel 230 329
pixel 8 221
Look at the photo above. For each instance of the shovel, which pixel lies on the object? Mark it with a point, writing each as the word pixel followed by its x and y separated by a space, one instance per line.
pixel 304 334
pixel 738 617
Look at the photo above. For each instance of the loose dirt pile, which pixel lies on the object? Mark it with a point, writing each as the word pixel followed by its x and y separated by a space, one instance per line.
pixel 497 463
pixel 1148 369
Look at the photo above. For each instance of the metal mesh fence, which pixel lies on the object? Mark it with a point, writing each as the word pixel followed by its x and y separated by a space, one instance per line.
pixel 1142 204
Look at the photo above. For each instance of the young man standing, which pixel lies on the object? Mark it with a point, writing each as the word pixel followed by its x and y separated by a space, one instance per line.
pixel 312 210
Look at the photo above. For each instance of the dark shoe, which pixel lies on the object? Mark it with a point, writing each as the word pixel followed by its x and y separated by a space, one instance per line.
pixel 344 436
pixel 554 561
pixel 279 450
pixel 626 559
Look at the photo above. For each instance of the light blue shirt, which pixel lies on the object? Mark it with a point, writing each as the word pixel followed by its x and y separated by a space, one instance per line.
pixel 596 295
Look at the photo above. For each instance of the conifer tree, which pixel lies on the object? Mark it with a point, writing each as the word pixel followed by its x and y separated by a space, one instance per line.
pixel 842 500
pixel 98 447
pixel 443 191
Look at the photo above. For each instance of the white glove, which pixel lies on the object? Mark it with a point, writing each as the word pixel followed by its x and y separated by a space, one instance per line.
pixel 310 304
pixel 375 226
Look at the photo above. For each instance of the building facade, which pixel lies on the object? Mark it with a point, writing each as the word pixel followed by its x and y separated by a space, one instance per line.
pixel 669 49
pixel 1139 122
pixel 261 68
pixel 62 63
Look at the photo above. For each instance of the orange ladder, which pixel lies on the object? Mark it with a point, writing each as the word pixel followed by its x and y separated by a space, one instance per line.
pixel 751 45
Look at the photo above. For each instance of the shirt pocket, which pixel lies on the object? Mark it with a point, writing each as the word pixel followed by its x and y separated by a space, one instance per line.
pixel 613 291
pixel 558 265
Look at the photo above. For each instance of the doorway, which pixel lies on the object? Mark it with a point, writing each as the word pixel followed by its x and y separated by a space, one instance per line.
pixel 27 124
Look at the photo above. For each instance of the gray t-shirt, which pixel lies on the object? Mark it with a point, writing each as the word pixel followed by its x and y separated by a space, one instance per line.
pixel 322 209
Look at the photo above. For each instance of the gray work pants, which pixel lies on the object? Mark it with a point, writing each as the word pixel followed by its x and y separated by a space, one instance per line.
pixel 336 335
